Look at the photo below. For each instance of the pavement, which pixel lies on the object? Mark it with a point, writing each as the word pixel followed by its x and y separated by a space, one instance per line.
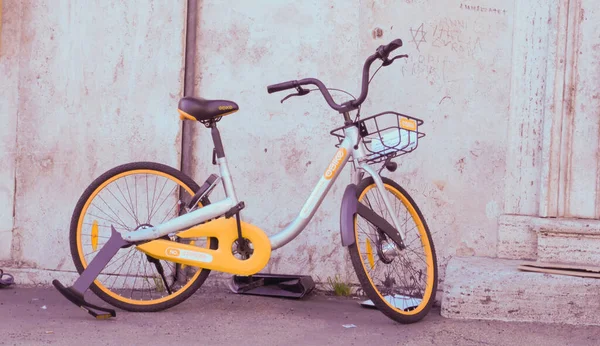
pixel 216 316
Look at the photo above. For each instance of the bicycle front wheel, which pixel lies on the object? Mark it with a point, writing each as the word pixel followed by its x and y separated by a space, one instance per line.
pixel 401 283
pixel 130 197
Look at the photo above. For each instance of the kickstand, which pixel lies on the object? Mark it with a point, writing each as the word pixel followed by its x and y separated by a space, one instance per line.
pixel 78 300
pixel 75 292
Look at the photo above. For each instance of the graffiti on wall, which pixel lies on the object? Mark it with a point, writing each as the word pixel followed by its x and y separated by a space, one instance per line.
pixel 444 46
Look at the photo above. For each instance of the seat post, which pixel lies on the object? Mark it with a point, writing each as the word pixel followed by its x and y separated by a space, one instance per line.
pixel 216 135
pixel 222 162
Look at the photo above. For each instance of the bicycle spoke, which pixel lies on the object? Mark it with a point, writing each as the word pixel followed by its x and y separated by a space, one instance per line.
pixel 133 287
pixel 409 288
pixel 133 209
pixel 103 226
pixel 122 223
pixel 136 195
pixel 147 200
pixel 167 215
pixel 116 259
pixel 111 220
pixel 121 269
pixel 419 256
pixel 163 202
pixel 368 236
pixel 129 206
pixel 128 270
pixel 130 214
pixel 153 198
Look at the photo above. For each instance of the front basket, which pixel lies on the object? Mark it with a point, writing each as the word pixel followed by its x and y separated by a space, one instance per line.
pixel 387 135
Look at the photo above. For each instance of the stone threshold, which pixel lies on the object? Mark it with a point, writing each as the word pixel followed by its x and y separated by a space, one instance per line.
pixel 495 289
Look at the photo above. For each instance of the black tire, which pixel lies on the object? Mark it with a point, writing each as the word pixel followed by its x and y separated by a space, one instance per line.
pixel 401 316
pixel 93 188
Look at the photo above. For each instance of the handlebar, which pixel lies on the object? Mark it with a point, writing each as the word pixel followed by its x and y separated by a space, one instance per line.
pixel 282 86
pixel 306 81
pixel 382 53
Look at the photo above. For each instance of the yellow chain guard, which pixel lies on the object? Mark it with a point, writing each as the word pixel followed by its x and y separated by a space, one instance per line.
pixel 221 259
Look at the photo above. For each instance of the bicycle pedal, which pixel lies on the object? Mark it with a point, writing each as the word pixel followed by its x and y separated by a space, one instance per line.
pixel 76 298
pixel 100 316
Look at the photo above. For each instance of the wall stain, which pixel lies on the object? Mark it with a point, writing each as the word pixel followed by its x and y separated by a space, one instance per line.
pixel 487 300
pixel 440 184
pixel 460 165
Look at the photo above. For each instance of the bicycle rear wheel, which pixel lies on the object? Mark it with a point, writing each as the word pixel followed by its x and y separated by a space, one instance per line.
pixel 129 197
pixel 401 283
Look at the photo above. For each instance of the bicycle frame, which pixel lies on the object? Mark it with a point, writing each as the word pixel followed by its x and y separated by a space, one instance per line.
pixel 349 148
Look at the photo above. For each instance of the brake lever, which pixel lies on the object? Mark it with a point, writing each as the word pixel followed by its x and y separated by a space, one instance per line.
pixel 301 92
pixel 388 62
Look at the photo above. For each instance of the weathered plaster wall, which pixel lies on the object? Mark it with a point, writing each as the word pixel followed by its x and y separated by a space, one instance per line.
pixel 457 79
pixel 553 145
pixel 553 155
pixel 582 199
pixel 277 152
pixel 98 85
pixel 9 107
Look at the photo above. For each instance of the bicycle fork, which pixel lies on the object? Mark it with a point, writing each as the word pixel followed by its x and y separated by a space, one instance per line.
pixel 351 206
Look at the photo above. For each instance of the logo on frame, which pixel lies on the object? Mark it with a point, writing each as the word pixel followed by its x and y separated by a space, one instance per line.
pixel 335 163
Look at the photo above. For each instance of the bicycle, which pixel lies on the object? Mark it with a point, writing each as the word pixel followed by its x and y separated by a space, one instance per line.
pixel 204 235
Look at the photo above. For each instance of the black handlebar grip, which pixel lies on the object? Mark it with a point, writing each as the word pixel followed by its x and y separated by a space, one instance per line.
pixel 384 51
pixel 282 86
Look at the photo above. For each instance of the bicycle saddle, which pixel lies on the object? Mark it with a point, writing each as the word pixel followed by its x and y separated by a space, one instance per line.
pixel 195 108
pixel 5 279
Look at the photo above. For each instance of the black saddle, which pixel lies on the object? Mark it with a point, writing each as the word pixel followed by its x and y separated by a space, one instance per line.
pixel 195 108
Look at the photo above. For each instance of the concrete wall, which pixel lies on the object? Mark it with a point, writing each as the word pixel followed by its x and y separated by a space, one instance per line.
pixel 277 152
pixel 92 85
pixel 553 154
pixel 552 182
pixel 9 80
pixel 457 79
pixel 86 87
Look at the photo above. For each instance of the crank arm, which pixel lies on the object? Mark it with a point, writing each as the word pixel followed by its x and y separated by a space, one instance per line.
pixel 87 277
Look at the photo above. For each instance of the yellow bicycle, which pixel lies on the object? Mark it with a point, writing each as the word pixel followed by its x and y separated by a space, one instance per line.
pixel 144 236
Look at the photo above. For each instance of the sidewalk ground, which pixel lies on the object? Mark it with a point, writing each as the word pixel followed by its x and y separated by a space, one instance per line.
pixel 41 316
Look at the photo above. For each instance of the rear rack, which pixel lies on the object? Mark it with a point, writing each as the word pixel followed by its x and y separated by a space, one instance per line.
pixel 386 135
